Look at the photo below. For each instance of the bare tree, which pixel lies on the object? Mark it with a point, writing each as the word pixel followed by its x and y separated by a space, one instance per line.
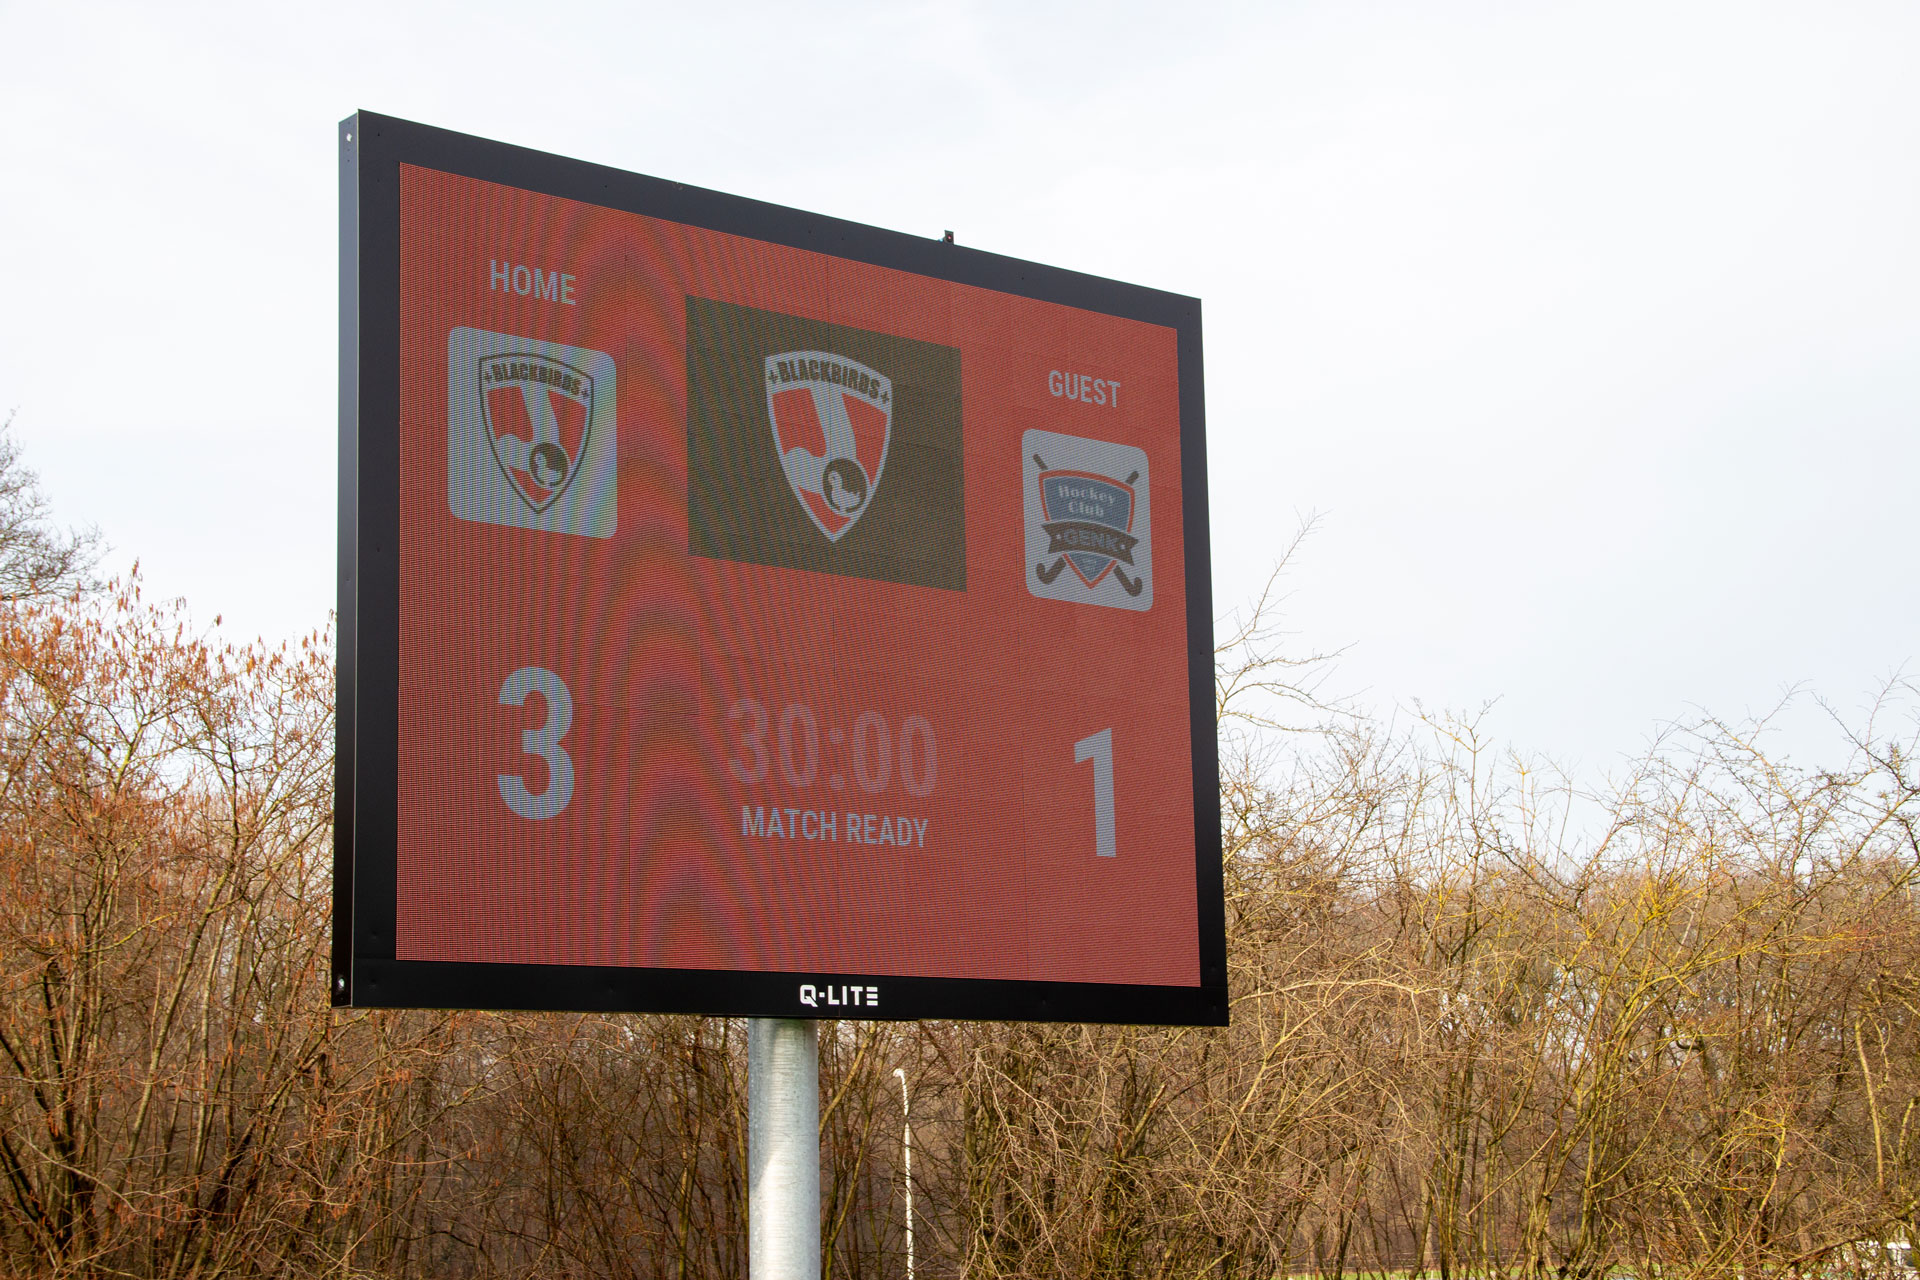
pixel 1472 1036
pixel 36 557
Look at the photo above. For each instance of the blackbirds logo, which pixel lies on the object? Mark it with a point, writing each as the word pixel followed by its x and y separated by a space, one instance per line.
pixel 530 433
pixel 830 418
pixel 539 413
pixel 824 448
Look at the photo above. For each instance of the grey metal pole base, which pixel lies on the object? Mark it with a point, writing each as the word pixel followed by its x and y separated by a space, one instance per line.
pixel 783 1149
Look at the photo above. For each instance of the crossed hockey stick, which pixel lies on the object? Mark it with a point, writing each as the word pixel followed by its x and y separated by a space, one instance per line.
pixel 1047 573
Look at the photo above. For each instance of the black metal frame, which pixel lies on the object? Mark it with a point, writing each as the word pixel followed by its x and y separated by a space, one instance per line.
pixel 365 972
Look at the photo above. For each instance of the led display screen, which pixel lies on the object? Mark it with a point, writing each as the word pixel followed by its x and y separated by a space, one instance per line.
pixel 746 612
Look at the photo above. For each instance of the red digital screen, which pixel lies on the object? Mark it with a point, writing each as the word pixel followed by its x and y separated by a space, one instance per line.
pixel 763 609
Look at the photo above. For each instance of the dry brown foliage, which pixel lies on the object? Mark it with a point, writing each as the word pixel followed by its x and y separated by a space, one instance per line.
pixel 1481 1025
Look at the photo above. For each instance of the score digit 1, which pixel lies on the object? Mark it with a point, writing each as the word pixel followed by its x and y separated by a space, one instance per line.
pixel 1098 747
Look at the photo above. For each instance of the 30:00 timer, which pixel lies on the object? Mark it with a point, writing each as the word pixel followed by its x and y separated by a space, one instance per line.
pixel 877 753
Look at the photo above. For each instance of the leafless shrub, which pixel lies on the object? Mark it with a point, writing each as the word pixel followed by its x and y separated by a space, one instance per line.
pixel 1477 1029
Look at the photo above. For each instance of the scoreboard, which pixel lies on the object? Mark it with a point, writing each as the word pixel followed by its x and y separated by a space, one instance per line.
pixel 747 612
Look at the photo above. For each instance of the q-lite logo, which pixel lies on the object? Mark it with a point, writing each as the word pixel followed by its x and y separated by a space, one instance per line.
pixel 836 996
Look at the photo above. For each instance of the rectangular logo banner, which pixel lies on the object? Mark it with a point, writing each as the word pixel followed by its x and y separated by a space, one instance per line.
pixel 817 446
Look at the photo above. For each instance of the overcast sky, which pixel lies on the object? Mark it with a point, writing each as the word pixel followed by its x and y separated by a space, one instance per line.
pixel 1590 332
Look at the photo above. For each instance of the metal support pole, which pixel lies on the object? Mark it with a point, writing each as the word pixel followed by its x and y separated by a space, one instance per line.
pixel 906 1159
pixel 783 1149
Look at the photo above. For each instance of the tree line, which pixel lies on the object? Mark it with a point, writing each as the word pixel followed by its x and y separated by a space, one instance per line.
pixel 1482 1026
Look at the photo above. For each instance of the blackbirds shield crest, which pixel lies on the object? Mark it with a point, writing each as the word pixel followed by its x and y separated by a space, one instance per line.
pixel 538 412
pixel 831 418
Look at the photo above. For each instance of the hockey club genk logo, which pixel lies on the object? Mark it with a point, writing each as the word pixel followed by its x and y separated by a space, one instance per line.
pixel 1089 532
pixel 538 413
pixel 1089 522
pixel 831 418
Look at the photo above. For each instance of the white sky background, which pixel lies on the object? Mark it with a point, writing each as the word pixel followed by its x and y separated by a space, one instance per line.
pixel 1591 332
